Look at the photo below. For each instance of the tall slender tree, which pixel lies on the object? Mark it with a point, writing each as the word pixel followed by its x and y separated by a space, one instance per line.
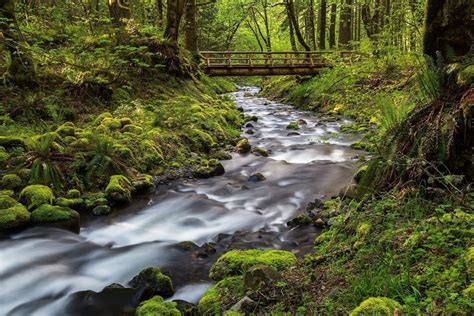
pixel 332 26
pixel 322 24
pixel 345 23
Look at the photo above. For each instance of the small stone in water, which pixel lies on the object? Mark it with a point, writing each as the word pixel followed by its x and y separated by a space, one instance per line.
pixel 256 177
pixel 293 134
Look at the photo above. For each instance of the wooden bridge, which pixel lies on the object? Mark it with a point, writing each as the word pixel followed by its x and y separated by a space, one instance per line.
pixel 270 63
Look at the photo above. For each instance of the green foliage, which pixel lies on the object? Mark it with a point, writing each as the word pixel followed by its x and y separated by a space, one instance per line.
pixel 45 158
pixel 394 108
pixel 12 214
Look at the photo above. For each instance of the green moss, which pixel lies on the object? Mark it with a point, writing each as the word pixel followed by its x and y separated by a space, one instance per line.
pixel 35 195
pixel 235 262
pixel 119 189
pixel 24 174
pixel 152 279
pixel 101 117
pixel 73 194
pixel 11 181
pixel 67 129
pixel 466 76
pixel 293 126
pixel 4 156
pixel 53 214
pixel 377 306
pixel 222 296
pixel 143 183
pixel 134 129
pixel 243 146
pixel 101 210
pixel 12 214
pixel 469 292
pixel 360 173
pixel 156 306
pixel 125 121
pixel 9 193
pixel 259 151
pixel 75 203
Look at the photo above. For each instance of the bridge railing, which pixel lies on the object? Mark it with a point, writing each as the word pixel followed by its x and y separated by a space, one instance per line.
pixel 270 59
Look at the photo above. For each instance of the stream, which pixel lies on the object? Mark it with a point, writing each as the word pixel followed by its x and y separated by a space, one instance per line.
pixel 44 270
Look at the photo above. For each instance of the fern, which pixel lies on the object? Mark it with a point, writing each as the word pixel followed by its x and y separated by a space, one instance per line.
pixel 45 159
pixel 394 108
pixel 429 80
pixel 103 160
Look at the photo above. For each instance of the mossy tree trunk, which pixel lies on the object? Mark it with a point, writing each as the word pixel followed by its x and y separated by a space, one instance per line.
pixel 16 63
pixel 119 11
pixel 174 16
pixel 190 29
pixel 449 28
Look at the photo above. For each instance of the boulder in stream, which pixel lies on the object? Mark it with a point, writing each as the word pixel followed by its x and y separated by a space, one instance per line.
pixel 157 306
pixel 243 146
pixel 56 216
pixel 151 282
pixel 12 214
pixel 213 168
pixel 257 177
pixel 260 276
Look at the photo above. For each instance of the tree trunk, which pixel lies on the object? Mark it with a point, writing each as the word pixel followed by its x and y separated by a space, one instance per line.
pixel 293 18
pixel 159 9
pixel 190 30
pixel 322 24
pixel 312 24
pixel 345 24
pixel 119 11
pixel 292 33
pixel 449 28
pixel 174 16
pixel 15 61
pixel 332 26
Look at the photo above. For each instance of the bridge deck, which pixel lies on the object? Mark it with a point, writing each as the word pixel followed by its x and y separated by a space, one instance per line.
pixel 268 63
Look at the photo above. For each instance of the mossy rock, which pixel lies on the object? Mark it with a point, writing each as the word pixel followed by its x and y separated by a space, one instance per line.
pixel 379 306
pixel 11 182
pixel 36 195
pixel 56 216
pixel 156 306
pixel 143 183
pixel 73 194
pixel 9 193
pixel 466 76
pixel 293 126
pixel 77 204
pixel 119 189
pixel 123 151
pixel 222 296
pixel 360 145
pixel 259 151
pixel 12 214
pixel 101 117
pixel 300 220
pixel 101 210
pixel 360 173
pixel 257 177
pixel 236 262
pixel 221 155
pixel 212 169
pixel 133 129
pixel 24 174
pixel 81 143
pixel 243 146
pixel 125 121
pixel 4 156
pixel 151 281
pixel 93 200
pixel 260 276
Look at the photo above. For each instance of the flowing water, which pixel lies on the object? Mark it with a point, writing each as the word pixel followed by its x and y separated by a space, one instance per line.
pixel 41 268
